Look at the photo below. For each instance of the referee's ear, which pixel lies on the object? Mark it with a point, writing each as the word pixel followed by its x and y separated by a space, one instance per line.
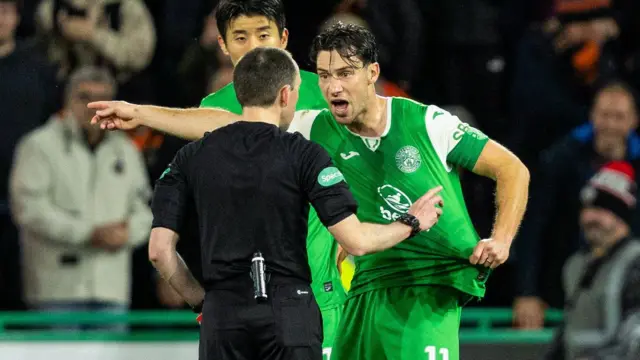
pixel 284 96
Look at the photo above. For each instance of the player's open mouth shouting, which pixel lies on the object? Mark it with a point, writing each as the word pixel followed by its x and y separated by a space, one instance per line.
pixel 339 107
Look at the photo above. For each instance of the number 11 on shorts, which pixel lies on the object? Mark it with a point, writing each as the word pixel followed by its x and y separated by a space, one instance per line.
pixel 432 353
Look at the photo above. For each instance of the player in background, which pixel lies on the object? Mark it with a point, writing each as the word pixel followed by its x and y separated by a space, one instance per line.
pixel 406 300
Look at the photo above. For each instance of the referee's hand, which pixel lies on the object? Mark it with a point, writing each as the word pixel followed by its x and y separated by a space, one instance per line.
pixel 428 208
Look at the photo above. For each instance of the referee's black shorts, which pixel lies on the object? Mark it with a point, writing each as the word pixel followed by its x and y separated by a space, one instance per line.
pixel 288 326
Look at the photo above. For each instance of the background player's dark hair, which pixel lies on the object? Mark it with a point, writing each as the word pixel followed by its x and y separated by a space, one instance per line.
pixel 260 74
pixel 228 10
pixel 350 41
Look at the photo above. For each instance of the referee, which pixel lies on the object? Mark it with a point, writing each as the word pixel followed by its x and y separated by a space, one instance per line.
pixel 251 184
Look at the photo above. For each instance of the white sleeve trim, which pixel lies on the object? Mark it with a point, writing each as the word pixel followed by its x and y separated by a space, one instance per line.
pixel 441 126
pixel 303 122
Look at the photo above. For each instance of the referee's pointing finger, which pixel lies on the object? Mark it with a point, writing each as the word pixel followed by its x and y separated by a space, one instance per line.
pixel 433 192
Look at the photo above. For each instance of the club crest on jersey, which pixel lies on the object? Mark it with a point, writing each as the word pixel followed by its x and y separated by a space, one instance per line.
pixel 408 159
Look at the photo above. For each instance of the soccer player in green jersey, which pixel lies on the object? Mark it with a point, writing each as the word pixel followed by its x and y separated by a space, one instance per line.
pixel 405 302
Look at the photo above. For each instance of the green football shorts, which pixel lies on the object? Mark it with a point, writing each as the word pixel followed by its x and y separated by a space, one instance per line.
pixel 330 322
pixel 401 323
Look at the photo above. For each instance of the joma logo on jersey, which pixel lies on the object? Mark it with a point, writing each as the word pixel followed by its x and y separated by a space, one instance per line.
pixel 397 200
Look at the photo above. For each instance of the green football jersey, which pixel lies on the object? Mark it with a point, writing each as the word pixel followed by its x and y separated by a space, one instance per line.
pixel 420 149
pixel 322 249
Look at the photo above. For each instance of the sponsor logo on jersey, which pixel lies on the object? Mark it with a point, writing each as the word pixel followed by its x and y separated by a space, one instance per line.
pixel 464 128
pixel 408 159
pixel 349 155
pixel 395 199
pixel 330 176
pixel 328 286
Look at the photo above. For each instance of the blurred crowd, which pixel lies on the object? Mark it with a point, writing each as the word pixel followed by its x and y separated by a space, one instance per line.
pixel 553 80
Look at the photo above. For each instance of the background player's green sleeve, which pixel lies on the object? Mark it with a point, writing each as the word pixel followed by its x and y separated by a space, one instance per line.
pixel 455 142
pixel 310 96
pixel 224 98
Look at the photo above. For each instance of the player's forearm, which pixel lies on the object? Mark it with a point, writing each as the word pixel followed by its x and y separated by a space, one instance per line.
pixel 189 124
pixel 512 194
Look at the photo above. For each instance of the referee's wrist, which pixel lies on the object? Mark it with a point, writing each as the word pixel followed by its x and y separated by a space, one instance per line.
pixel 411 222
pixel 408 230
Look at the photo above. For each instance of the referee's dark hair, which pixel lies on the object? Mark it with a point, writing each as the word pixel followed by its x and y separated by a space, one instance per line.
pixel 261 74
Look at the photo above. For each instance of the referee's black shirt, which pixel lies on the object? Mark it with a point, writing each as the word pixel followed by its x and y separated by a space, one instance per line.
pixel 251 184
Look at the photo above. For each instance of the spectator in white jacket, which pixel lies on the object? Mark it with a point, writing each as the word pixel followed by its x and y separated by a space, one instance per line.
pixel 80 197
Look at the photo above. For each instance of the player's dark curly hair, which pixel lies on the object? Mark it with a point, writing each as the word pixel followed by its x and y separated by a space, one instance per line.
pixel 351 41
pixel 261 73
pixel 228 10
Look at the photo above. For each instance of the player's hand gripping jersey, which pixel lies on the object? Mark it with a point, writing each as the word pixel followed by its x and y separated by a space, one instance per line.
pixel 420 149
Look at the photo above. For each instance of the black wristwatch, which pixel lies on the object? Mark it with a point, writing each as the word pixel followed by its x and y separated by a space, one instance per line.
pixel 198 308
pixel 412 221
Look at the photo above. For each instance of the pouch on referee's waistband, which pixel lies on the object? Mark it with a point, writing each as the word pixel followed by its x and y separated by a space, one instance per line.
pixel 298 316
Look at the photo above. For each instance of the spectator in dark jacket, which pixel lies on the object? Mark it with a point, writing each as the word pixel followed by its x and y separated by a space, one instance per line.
pixel 602 280
pixel 550 232
pixel 28 97
pixel 560 63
